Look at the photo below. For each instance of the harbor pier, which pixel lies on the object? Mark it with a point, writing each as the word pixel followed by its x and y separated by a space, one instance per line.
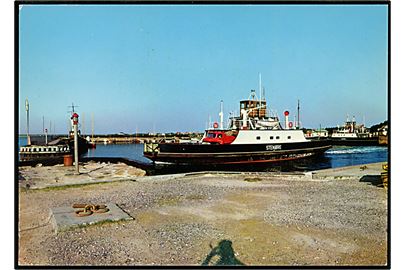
pixel 325 218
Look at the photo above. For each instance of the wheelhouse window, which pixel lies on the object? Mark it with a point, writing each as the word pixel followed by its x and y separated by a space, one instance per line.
pixel 271 137
pixel 258 138
pixel 289 137
pixel 277 137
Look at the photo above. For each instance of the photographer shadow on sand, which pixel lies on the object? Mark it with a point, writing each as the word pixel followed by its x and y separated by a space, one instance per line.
pixel 225 252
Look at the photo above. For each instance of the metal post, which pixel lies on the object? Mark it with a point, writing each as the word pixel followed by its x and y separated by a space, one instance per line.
pixel 27 109
pixel 92 127
pixel 76 147
pixel 221 116
pixel 83 125
pixel 298 109
pixel 75 118
pixel 46 136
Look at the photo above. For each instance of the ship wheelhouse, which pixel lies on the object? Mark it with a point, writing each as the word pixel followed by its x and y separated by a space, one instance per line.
pixel 220 136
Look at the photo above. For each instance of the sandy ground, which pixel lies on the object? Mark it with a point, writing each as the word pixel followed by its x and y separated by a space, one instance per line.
pixel 214 219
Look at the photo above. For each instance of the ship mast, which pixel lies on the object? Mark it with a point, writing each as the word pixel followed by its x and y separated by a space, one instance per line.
pixel 92 126
pixel 221 116
pixel 83 124
pixel 260 89
pixel 73 108
pixel 298 111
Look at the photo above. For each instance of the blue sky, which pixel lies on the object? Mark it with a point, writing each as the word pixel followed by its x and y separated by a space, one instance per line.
pixel 166 68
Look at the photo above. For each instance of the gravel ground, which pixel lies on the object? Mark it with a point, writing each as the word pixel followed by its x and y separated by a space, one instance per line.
pixel 269 221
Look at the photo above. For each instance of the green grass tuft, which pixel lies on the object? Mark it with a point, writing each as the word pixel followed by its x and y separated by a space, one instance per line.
pixel 254 179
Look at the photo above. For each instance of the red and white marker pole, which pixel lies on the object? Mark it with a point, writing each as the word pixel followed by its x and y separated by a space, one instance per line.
pixel 75 118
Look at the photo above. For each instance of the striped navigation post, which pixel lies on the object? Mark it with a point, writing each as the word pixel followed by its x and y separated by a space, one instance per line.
pixel 75 118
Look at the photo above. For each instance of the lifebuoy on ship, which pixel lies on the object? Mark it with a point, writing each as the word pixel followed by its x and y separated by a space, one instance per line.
pixel 290 124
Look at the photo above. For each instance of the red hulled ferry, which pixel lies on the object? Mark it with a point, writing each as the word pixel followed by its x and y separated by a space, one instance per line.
pixel 251 137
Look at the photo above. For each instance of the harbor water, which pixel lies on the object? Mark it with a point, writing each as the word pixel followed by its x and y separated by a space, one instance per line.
pixel 337 156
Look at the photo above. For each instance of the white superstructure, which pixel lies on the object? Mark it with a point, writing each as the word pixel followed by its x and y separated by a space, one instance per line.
pixel 254 126
pixel 269 136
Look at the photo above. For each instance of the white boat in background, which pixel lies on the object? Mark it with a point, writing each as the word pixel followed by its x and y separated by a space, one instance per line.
pixel 352 134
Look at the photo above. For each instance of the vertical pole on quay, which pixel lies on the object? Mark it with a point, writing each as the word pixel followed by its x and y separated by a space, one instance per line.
pixel 46 136
pixel 75 118
pixel 27 110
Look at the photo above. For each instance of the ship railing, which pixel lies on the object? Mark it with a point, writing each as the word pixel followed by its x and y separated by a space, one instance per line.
pixel 254 123
pixel 151 147
pixel 45 149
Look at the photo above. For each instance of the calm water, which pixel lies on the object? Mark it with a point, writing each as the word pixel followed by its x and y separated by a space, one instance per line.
pixel 338 156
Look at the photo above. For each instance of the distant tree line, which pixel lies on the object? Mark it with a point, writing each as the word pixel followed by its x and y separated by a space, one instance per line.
pixel 376 127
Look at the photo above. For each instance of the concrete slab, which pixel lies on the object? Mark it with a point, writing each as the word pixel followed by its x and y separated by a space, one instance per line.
pixel 349 172
pixel 90 173
pixel 65 218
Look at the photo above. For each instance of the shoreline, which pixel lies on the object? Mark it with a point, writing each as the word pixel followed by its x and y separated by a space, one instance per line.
pixel 328 217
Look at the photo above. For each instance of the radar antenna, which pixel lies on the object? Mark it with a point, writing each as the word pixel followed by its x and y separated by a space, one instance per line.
pixel 73 108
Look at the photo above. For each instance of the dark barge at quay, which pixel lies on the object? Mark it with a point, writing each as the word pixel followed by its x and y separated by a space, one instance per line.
pixel 252 137
pixel 56 149
pixel 53 150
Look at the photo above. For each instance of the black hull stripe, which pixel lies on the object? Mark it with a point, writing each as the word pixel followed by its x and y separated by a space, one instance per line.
pixel 227 148
pixel 255 153
pixel 244 158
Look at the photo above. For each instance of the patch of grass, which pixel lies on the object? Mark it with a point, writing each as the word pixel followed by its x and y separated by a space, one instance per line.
pixel 168 201
pixel 254 179
pixel 196 197
pixel 120 172
pixel 24 189
pixel 69 186
pixel 177 199
pixel 149 218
